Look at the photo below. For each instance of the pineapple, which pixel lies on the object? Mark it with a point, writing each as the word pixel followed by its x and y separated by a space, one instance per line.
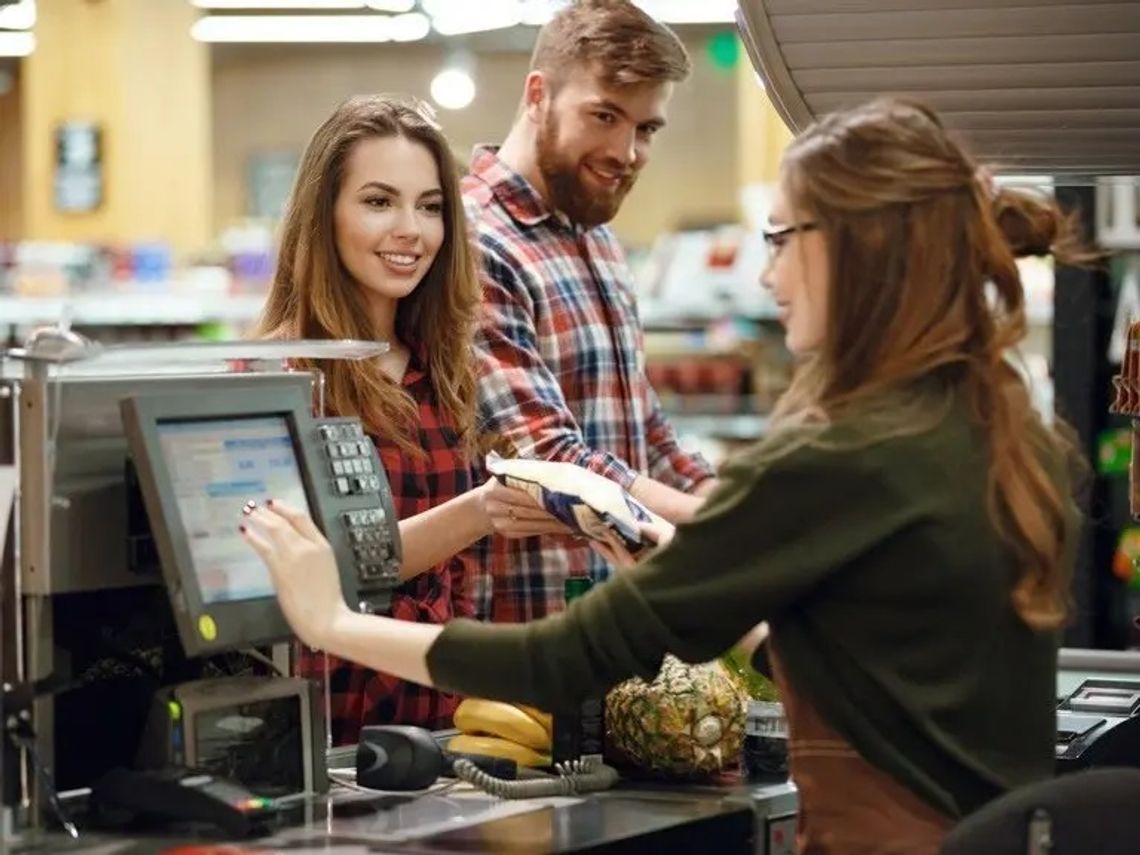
pixel 689 722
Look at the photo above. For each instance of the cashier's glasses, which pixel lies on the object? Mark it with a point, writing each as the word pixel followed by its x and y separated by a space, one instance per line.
pixel 776 238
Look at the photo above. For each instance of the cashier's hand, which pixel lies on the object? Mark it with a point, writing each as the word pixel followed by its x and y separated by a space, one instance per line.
pixel 302 565
pixel 614 551
pixel 515 513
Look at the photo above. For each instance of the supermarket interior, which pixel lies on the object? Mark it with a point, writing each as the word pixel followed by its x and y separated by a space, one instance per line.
pixel 149 152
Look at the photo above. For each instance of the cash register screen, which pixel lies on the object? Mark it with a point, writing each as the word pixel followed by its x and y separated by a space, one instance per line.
pixel 216 466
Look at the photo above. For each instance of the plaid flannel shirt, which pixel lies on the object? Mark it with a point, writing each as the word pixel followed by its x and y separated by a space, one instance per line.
pixel 561 374
pixel 360 696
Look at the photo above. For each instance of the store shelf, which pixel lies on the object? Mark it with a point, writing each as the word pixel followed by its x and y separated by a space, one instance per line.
pixel 131 309
pixel 655 316
pixel 743 427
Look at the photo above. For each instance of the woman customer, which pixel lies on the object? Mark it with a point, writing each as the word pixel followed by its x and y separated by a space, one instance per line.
pixel 374 248
pixel 906 529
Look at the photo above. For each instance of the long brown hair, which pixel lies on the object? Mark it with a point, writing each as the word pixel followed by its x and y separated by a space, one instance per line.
pixel 923 282
pixel 313 296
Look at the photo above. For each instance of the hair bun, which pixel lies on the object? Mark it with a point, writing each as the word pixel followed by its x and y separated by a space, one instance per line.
pixel 1031 226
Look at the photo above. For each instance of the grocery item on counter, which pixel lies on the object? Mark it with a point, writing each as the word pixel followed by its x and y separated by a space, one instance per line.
pixel 506 721
pixel 687 723
pixel 581 733
pixel 498 729
pixel 543 718
pixel 765 754
pixel 494 746
pixel 756 685
pixel 590 504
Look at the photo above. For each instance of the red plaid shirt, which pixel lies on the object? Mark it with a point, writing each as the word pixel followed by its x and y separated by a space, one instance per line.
pixel 561 373
pixel 360 696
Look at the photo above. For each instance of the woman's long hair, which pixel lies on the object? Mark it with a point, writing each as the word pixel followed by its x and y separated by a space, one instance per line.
pixel 313 295
pixel 923 281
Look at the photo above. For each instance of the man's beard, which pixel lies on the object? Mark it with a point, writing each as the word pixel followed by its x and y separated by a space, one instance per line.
pixel 588 207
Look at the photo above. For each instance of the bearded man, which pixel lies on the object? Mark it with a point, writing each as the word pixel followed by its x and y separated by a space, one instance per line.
pixel 561 366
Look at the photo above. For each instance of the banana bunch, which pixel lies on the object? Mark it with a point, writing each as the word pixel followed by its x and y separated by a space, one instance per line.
pixel 496 729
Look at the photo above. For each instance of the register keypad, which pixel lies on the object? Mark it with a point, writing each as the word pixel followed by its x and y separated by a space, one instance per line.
pixel 363 510
pixel 371 546
pixel 350 460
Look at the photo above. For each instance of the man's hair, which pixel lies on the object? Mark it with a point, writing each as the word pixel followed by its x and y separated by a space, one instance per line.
pixel 622 42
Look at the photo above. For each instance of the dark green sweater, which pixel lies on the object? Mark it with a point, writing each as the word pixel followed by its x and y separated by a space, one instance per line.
pixel 887 590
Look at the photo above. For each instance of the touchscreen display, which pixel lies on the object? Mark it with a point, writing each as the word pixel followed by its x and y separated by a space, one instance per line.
pixel 216 466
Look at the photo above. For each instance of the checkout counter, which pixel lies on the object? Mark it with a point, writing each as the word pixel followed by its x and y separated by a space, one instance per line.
pixel 148 638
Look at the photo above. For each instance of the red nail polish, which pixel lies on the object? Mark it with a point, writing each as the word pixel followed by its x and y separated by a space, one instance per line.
pixel 269 503
pixel 241 528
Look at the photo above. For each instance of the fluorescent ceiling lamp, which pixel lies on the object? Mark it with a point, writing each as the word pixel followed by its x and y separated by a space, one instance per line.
pixel 690 11
pixel 395 6
pixel 309 28
pixel 19 16
pixel 17 44
pixel 535 13
pixel 284 5
pixel 456 17
pixel 410 28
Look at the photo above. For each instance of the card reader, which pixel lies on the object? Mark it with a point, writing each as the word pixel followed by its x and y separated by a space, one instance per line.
pixel 172 795
pixel 1099 725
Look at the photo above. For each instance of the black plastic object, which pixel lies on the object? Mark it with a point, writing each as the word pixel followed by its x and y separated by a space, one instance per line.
pixel 167 796
pixel 399 758
pixel 580 733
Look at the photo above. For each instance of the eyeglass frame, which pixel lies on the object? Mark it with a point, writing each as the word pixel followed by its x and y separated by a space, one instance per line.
pixel 775 239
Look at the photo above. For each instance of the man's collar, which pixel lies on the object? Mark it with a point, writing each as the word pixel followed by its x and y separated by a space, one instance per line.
pixel 515 193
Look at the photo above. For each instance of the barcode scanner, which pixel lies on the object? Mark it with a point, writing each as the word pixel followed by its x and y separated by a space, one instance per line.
pixel 401 758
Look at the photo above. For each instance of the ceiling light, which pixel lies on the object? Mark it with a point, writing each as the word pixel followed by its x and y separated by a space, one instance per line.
pixel 17 44
pixel 535 13
pixel 689 12
pixel 391 5
pixel 19 16
pixel 452 18
pixel 293 28
pixel 453 89
pixel 410 28
pixel 316 5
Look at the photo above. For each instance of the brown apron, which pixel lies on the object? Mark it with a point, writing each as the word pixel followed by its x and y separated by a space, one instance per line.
pixel 846 805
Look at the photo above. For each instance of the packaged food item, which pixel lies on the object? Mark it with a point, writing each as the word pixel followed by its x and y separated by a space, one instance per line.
pixel 765 754
pixel 590 504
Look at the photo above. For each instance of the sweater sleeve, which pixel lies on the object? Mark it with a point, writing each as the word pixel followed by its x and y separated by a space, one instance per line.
pixel 765 540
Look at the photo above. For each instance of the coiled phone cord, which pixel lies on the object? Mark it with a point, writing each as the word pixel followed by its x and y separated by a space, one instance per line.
pixel 580 776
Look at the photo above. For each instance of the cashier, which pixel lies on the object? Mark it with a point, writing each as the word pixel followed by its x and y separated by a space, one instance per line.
pixel 906 528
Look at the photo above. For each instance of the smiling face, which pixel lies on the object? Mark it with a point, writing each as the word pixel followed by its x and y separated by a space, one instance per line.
pixel 797 275
pixel 594 140
pixel 388 217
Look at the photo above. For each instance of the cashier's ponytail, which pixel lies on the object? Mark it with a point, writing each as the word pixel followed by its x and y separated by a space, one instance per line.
pixel 924 285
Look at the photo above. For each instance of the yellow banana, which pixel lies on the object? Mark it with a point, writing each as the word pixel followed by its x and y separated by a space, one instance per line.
pixel 476 715
pixel 492 746
pixel 543 718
